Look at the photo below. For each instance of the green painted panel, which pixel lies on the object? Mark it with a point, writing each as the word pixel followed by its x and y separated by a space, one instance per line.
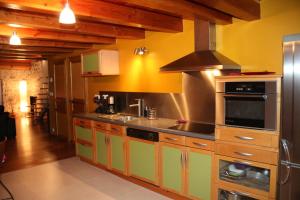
pixel 101 148
pixel 85 151
pixel 142 159
pixel 172 168
pixel 117 153
pixel 199 175
pixel 84 133
pixel 90 62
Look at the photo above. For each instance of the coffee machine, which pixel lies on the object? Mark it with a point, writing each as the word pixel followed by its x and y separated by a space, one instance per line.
pixel 105 102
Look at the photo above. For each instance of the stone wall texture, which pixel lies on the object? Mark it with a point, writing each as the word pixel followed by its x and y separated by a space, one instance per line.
pixel 35 78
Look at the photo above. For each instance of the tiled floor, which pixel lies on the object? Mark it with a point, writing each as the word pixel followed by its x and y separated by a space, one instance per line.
pixel 72 179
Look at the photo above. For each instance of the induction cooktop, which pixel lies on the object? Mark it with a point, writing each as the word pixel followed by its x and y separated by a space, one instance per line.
pixel 195 127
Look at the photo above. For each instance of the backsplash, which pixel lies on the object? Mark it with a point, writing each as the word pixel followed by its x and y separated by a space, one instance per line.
pixel 195 103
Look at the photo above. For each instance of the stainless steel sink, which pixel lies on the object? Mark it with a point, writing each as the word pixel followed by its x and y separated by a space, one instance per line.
pixel 118 117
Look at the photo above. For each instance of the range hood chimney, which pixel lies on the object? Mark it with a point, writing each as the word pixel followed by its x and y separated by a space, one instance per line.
pixel 205 56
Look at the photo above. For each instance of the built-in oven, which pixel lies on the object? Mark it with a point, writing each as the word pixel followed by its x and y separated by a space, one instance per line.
pixel 247 104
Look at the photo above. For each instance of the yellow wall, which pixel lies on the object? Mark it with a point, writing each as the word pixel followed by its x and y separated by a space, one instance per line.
pixel 257 45
pixel 141 73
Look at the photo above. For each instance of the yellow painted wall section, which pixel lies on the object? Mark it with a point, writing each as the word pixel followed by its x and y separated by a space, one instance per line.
pixel 141 73
pixel 257 45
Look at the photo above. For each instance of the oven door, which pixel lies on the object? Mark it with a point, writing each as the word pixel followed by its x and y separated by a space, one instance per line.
pixel 247 110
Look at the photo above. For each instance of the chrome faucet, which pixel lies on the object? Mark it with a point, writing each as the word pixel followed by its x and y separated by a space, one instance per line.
pixel 140 105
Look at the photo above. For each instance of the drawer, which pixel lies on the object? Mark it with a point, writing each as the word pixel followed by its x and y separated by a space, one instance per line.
pixel 247 152
pixel 171 138
pixel 248 136
pixel 85 151
pixel 83 133
pixel 200 143
pixel 102 126
pixel 117 130
pixel 83 123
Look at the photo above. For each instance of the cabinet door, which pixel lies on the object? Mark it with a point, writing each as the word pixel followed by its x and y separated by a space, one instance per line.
pixel 90 62
pixel 83 133
pixel 117 153
pixel 172 168
pixel 199 172
pixel 84 151
pixel 101 148
pixel 143 160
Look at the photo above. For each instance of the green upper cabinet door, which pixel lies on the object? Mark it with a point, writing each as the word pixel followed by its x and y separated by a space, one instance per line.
pixel 117 153
pixel 84 133
pixel 142 160
pixel 101 149
pixel 100 63
pixel 172 168
pixel 199 174
pixel 90 63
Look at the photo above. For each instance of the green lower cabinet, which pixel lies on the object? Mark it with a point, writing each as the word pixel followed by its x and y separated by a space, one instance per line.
pixel 142 162
pixel 199 175
pixel 117 153
pixel 83 133
pixel 84 151
pixel 101 148
pixel 171 169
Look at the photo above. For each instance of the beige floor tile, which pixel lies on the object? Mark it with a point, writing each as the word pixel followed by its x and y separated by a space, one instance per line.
pixel 72 179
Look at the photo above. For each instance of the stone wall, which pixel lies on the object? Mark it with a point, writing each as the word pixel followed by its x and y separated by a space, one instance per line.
pixel 35 77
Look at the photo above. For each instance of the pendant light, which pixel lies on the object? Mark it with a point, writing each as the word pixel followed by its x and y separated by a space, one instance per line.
pixel 67 15
pixel 15 39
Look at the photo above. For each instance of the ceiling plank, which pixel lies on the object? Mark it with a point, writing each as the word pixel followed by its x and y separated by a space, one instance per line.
pixel 182 8
pixel 20 55
pixel 103 11
pixel 48 43
pixel 54 35
pixel 246 9
pixel 35 49
pixel 16 52
pixel 34 20
pixel 15 64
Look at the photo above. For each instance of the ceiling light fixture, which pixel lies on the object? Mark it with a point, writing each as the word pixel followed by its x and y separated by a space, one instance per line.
pixel 140 51
pixel 67 15
pixel 15 39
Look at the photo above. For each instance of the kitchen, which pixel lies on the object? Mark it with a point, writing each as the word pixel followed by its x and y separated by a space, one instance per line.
pixel 251 44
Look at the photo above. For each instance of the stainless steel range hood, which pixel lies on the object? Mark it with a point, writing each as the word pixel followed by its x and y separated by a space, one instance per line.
pixel 205 56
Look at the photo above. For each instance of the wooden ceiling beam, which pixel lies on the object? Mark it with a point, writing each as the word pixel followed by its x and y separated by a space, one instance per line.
pixel 35 49
pixel 182 8
pixel 15 64
pixel 34 20
pixel 245 9
pixel 16 52
pixel 21 57
pixel 12 55
pixel 54 35
pixel 48 43
pixel 103 11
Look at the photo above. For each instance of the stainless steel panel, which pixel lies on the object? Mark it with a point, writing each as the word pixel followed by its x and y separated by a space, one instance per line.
pixel 195 103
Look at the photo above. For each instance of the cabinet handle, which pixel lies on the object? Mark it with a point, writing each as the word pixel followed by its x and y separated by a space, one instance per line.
pixel 243 154
pixel 199 144
pixel 186 158
pixel 244 138
pixel 240 193
pixel 115 129
pixel 106 140
pixel 181 159
pixel 171 139
pixel 81 126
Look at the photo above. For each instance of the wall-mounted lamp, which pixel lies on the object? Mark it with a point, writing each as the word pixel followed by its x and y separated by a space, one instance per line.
pixel 140 51
pixel 67 15
pixel 15 39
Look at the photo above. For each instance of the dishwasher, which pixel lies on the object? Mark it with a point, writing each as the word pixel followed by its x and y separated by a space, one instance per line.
pixel 143 154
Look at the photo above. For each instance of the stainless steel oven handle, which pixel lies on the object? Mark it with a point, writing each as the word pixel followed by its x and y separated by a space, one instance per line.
pixel 239 193
pixel 286 163
pixel 264 96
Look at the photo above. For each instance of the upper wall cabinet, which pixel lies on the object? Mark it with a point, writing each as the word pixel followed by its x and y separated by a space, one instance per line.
pixel 100 63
